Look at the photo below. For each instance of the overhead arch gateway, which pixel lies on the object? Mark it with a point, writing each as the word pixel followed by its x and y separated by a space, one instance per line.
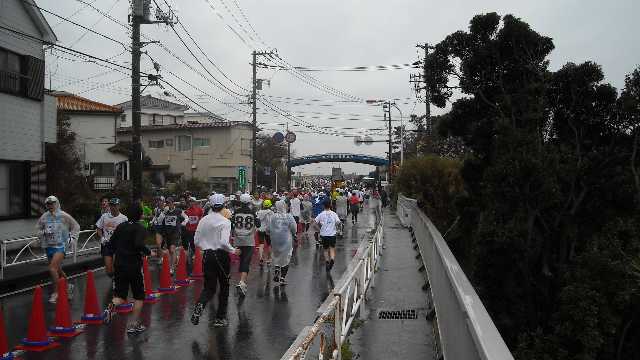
pixel 337 157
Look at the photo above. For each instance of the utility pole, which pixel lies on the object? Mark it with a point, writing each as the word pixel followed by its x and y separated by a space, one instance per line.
pixel 288 161
pixel 387 113
pixel 136 147
pixel 254 172
pixel 254 100
pixel 141 14
pixel 423 78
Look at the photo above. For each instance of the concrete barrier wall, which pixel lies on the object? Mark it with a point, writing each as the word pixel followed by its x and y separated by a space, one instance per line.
pixel 465 328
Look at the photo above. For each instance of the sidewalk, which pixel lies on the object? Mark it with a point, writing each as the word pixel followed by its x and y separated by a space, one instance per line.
pixel 397 289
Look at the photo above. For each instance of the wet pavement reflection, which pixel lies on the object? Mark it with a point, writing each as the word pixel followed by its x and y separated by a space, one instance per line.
pixel 261 326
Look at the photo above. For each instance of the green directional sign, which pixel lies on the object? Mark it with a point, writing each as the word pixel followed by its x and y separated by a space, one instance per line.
pixel 242 178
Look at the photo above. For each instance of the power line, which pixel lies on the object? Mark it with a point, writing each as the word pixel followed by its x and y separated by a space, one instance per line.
pixel 64 48
pixel 196 58
pixel 206 94
pixel 76 24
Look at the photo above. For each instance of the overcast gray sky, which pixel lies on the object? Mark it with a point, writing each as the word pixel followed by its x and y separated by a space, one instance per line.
pixel 325 34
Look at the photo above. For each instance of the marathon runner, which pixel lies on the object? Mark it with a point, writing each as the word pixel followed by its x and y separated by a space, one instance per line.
pixel 282 230
pixel 243 224
pixel 264 215
pixel 107 223
pixel 212 236
pixel 56 230
pixel 328 221
pixel 193 214
pixel 341 210
pixel 127 243
pixel 173 219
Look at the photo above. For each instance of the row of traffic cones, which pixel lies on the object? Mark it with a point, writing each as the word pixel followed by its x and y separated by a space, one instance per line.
pixel 39 339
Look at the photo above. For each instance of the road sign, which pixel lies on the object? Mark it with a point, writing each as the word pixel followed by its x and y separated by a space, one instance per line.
pixel 278 137
pixel 242 178
pixel 291 137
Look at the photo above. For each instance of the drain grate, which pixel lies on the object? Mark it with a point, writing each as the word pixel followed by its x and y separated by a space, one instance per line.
pixel 404 314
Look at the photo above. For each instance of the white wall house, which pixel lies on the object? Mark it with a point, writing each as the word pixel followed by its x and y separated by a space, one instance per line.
pixel 94 125
pixel 27 115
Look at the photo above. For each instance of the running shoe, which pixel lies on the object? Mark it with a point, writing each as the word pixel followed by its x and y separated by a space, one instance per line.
pixel 268 263
pixel 283 281
pixel 136 328
pixel 109 312
pixel 220 322
pixel 197 312
pixel 242 287
pixel 261 262
pixel 53 298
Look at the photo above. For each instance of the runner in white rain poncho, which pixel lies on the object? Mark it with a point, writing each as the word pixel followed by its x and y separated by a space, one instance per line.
pixel 282 230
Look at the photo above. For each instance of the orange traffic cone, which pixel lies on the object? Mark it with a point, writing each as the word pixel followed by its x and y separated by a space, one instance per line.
pixel 63 326
pixel 196 271
pixel 150 295
pixel 181 274
pixel 5 354
pixel 92 312
pixel 37 339
pixel 166 287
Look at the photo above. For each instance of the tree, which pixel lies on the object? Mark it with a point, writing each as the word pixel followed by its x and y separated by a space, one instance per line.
pixel 64 174
pixel 548 216
pixel 271 158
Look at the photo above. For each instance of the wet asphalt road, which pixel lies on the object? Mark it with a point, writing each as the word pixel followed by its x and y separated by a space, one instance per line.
pixel 261 326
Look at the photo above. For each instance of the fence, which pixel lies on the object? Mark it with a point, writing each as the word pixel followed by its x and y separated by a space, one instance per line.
pixel 465 329
pixel 347 301
pixel 32 252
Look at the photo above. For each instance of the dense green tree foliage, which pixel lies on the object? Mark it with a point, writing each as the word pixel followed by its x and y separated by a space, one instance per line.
pixel 549 214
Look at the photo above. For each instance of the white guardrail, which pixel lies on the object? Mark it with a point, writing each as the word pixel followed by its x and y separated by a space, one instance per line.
pixel 465 329
pixel 31 251
pixel 324 338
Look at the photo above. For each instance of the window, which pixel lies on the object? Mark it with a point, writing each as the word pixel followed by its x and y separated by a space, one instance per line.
pixel 168 142
pixel 184 143
pixel 11 73
pixel 123 118
pixel 156 144
pixel 245 147
pixel 156 119
pixel 13 178
pixel 200 142
pixel 103 169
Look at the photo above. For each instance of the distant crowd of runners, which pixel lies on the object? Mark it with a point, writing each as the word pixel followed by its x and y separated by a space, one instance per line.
pixel 220 226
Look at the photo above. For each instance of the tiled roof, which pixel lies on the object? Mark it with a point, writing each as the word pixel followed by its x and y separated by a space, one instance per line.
pixel 189 125
pixel 148 101
pixel 70 102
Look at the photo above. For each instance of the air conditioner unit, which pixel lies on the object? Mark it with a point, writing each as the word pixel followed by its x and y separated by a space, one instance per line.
pixel 193 166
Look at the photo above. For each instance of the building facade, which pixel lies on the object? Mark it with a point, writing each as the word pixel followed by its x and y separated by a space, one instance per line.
pixel 190 145
pixel 94 125
pixel 27 114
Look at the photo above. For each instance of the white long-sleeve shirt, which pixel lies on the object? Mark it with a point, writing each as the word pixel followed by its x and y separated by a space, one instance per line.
pixel 213 233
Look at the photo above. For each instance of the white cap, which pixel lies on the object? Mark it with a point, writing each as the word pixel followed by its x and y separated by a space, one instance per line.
pixel 217 199
pixel 51 199
pixel 245 198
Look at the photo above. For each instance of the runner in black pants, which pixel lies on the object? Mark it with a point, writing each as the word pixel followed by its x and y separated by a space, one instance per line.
pixel 212 235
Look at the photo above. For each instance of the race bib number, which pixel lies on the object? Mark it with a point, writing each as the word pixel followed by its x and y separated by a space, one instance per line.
pixel 49 232
pixel 244 222
pixel 170 220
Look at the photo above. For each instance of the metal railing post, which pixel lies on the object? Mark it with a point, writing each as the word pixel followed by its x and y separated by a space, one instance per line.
pixel 338 326
pixel 3 258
